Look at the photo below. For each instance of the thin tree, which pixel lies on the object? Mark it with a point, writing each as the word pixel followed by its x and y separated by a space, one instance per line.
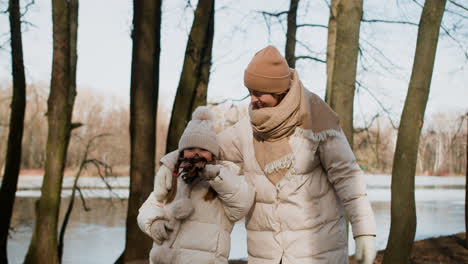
pixel 331 40
pixel 291 34
pixel 403 208
pixel 194 78
pixel 344 56
pixel 466 184
pixel 144 89
pixel 43 247
pixel 18 105
pixel 84 162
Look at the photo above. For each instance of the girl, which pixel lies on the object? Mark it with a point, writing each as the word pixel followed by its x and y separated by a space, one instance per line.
pixel 194 223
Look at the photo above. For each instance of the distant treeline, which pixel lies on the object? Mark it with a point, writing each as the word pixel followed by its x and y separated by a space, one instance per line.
pixel 442 146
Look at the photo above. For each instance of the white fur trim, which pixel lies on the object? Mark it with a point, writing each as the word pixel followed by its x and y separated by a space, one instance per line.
pixel 320 136
pixel 285 162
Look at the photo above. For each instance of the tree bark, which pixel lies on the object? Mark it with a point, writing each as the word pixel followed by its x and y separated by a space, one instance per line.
pixel 143 105
pixel 290 51
pixel 403 209
pixel 194 78
pixel 331 41
pixel 343 76
pixel 43 247
pixel 18 105
pixel 466 184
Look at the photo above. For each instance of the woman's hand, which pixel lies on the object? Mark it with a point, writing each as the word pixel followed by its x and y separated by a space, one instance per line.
pixel 160 231
pixel 210 172
pixel 365 249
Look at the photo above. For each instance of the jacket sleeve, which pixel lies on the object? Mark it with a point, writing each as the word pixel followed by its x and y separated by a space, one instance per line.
pixel 236 195
pixel 229 144
pixel 170 160
pixel 150 211
pixel 347 178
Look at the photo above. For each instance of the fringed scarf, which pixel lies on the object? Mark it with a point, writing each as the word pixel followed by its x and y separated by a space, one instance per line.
pixel 272 127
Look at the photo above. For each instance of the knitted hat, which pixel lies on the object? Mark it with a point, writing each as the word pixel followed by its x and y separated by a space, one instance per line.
pixel 200 132
pixel 267 72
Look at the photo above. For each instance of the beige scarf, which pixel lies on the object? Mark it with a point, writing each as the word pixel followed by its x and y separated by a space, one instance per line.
pixel 272 127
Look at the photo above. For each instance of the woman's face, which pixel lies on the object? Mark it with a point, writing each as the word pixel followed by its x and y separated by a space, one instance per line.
pixel 261 100
pixel 190 153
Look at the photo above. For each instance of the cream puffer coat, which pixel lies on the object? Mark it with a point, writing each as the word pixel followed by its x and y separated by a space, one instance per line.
pixel 204 237
pixel 301 218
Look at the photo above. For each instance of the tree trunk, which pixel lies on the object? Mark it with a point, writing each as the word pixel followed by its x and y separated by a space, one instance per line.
pixel 466 184
pixel 143 105
pixel 43 247
pixel 290 51
pixel 403 209
pixel 194 78
pixel 343 76
pixel 18 105
pixel 331 48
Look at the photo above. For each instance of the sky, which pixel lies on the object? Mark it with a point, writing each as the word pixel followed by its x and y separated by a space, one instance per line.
pixel 104 50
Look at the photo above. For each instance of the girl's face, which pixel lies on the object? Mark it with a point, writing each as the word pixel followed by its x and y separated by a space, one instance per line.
pixel 193 152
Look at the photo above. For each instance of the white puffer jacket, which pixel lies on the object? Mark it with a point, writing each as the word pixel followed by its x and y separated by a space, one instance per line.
pixel 301 218
pixel 204 237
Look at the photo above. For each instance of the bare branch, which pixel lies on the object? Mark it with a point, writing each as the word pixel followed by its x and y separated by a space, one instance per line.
pixel 455 40
pixel 232 100
pixel 273 14
pixel 327 3
pixel 389 22
pixel 26 8
pixel 76 125
pixel 455 13
pixel 83 201
pixel 378 102
pixel 312 25
pixel 310 58
pixel 458 5
pixel 367 126
pixel 417 3
pixel 309 50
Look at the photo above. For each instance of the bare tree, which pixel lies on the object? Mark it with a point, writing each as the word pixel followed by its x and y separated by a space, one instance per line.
pixel 143 105
pixel 466 184
pixel 194 78
pixel 403 209
pixel 18 105
pixel 343 56
pixel 43 247
pixel 84 162
pixel 331 41
pixel 291 34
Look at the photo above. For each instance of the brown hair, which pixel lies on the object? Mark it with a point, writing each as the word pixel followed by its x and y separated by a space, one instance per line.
pixel 210 195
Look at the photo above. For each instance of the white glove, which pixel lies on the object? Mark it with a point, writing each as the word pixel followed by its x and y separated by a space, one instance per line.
pixel 159 231
pixel 163 183
pixel 365 249
pixel 210 172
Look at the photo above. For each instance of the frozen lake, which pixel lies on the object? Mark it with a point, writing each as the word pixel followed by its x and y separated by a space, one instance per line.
pixel 97 236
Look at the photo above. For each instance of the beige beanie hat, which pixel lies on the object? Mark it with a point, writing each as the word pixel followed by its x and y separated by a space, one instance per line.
pixel 200 132
pixel 267 72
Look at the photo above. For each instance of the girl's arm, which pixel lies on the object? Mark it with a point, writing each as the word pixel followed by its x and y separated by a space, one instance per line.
pixel 150 211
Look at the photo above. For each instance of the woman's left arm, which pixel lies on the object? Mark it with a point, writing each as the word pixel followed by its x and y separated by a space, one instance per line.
pixel 344 173
pixel 236 195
